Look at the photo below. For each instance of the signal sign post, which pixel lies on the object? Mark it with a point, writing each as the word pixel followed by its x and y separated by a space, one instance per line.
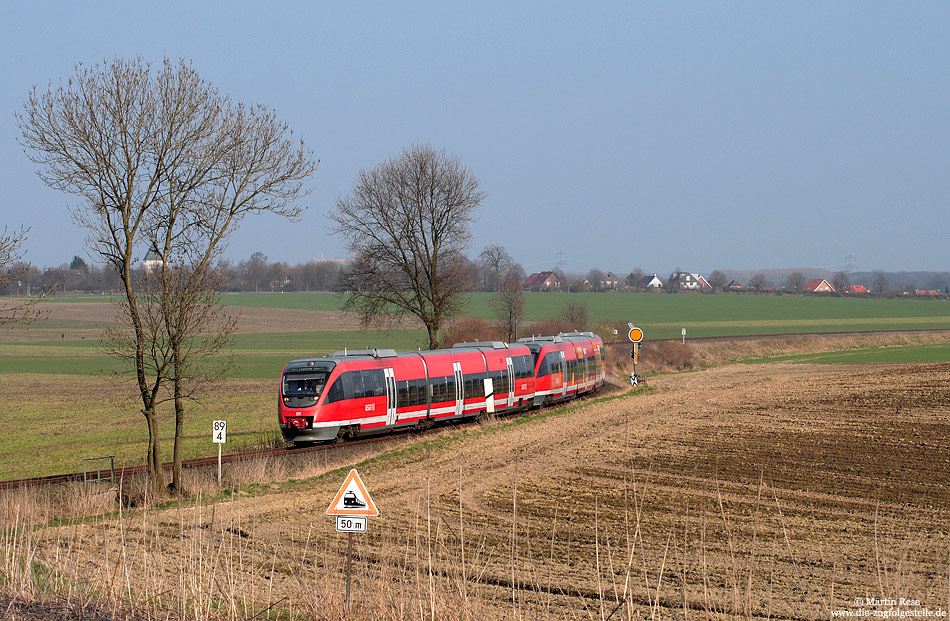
pixel 351 506
pixel 635 335
pixel 219 435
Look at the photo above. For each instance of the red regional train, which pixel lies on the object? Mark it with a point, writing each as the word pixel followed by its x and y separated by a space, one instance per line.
pixel 368 391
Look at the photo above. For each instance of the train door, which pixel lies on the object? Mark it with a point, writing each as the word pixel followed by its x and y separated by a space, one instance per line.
pixel 585 370
pixel 459 389
pixel 390 396
pixel 564 378
pixel 511 382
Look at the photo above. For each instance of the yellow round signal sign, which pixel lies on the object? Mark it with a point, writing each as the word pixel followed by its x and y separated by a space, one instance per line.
pixel 635 335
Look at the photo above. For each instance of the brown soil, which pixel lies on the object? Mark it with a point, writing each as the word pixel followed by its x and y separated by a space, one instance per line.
pixel 780 491
pixel 250 319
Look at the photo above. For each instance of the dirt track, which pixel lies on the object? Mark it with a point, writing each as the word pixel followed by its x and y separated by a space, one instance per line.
pixel 782 491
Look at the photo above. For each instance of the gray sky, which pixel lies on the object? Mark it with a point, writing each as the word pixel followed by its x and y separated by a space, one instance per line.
pixel 699 135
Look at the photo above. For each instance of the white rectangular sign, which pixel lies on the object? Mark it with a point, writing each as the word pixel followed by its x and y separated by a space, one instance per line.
pixel 219 431
pixel 350 524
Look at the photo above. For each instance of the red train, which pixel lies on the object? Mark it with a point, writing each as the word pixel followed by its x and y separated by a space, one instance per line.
pixel 378 390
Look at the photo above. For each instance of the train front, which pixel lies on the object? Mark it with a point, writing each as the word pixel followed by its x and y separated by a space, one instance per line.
pixel 302 386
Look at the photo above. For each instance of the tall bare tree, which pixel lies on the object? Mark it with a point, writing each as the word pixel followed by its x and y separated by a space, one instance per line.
pixel 881 286
pixel 494 261
pixel 161 157
pixel 11 271
pixel 596 279
pixel 635 279
pixel 406 225
pixel 757 282
pixel 508 301
pixel 718 280
pixel 841 282
pixel 795 282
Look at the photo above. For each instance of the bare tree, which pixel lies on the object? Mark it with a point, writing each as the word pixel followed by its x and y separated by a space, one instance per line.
pixel 576 314
pixel 494 261
pixel 508 302
pixel 718 280
pixel 596 279
pixel 881 286
pixel 12 270
pixel 841 282
pixel 161 157
pixel 406 225
pixel 795 282
pixel 635 279
pixel 757 282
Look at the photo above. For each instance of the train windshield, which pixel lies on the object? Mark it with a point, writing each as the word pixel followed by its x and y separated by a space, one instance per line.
pixel 306 382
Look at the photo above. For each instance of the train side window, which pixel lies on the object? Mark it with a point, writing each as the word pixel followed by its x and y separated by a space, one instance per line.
pixel 336 391
pixel 420 386
pixel 356 383
pixel 402 394
pixel 524 367
pixel 377 379
pixel 545 367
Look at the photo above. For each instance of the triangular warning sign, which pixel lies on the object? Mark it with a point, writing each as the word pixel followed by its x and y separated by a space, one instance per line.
pixel 353 499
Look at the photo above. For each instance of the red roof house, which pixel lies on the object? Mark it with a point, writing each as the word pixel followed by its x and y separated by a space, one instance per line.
pixel 857 289
pixel 818 285
pixel 542 281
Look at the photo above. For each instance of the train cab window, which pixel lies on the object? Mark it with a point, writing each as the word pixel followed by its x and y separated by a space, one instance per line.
pixel 304 385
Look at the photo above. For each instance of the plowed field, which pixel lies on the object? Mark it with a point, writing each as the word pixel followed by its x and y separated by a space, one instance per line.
pixel 773 491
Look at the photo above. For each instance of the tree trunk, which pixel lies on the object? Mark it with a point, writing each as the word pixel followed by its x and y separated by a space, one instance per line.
pixel 179 439
pixel 433 330
pixel 154 457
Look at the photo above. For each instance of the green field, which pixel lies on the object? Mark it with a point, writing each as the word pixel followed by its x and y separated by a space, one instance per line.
pixel 60 400
pixel 663 316
pixel 891 354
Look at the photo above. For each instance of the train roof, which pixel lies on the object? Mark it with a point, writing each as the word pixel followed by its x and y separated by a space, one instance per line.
pixel 383 353
pixel 482 345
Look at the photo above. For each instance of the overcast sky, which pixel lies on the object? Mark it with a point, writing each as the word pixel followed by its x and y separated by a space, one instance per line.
pixel 700 135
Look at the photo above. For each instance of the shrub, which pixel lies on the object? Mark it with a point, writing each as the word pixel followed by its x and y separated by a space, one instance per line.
pixel 469 330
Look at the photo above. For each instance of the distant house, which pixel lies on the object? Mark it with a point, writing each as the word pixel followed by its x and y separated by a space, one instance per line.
pixel 926 292
pixel 651 282
pixel 685 281
pixel 857 290
pixel 734 285
pixel 818 285
pixel 542 281
pixel 152 260
pixel 610 281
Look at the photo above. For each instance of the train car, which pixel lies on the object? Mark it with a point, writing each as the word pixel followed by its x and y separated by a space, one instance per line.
pixel 360 392
pixel 510 372
pixel 588 369
pixel 565 365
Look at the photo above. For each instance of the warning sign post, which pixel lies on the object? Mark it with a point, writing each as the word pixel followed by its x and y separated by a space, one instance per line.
pixel 351 506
